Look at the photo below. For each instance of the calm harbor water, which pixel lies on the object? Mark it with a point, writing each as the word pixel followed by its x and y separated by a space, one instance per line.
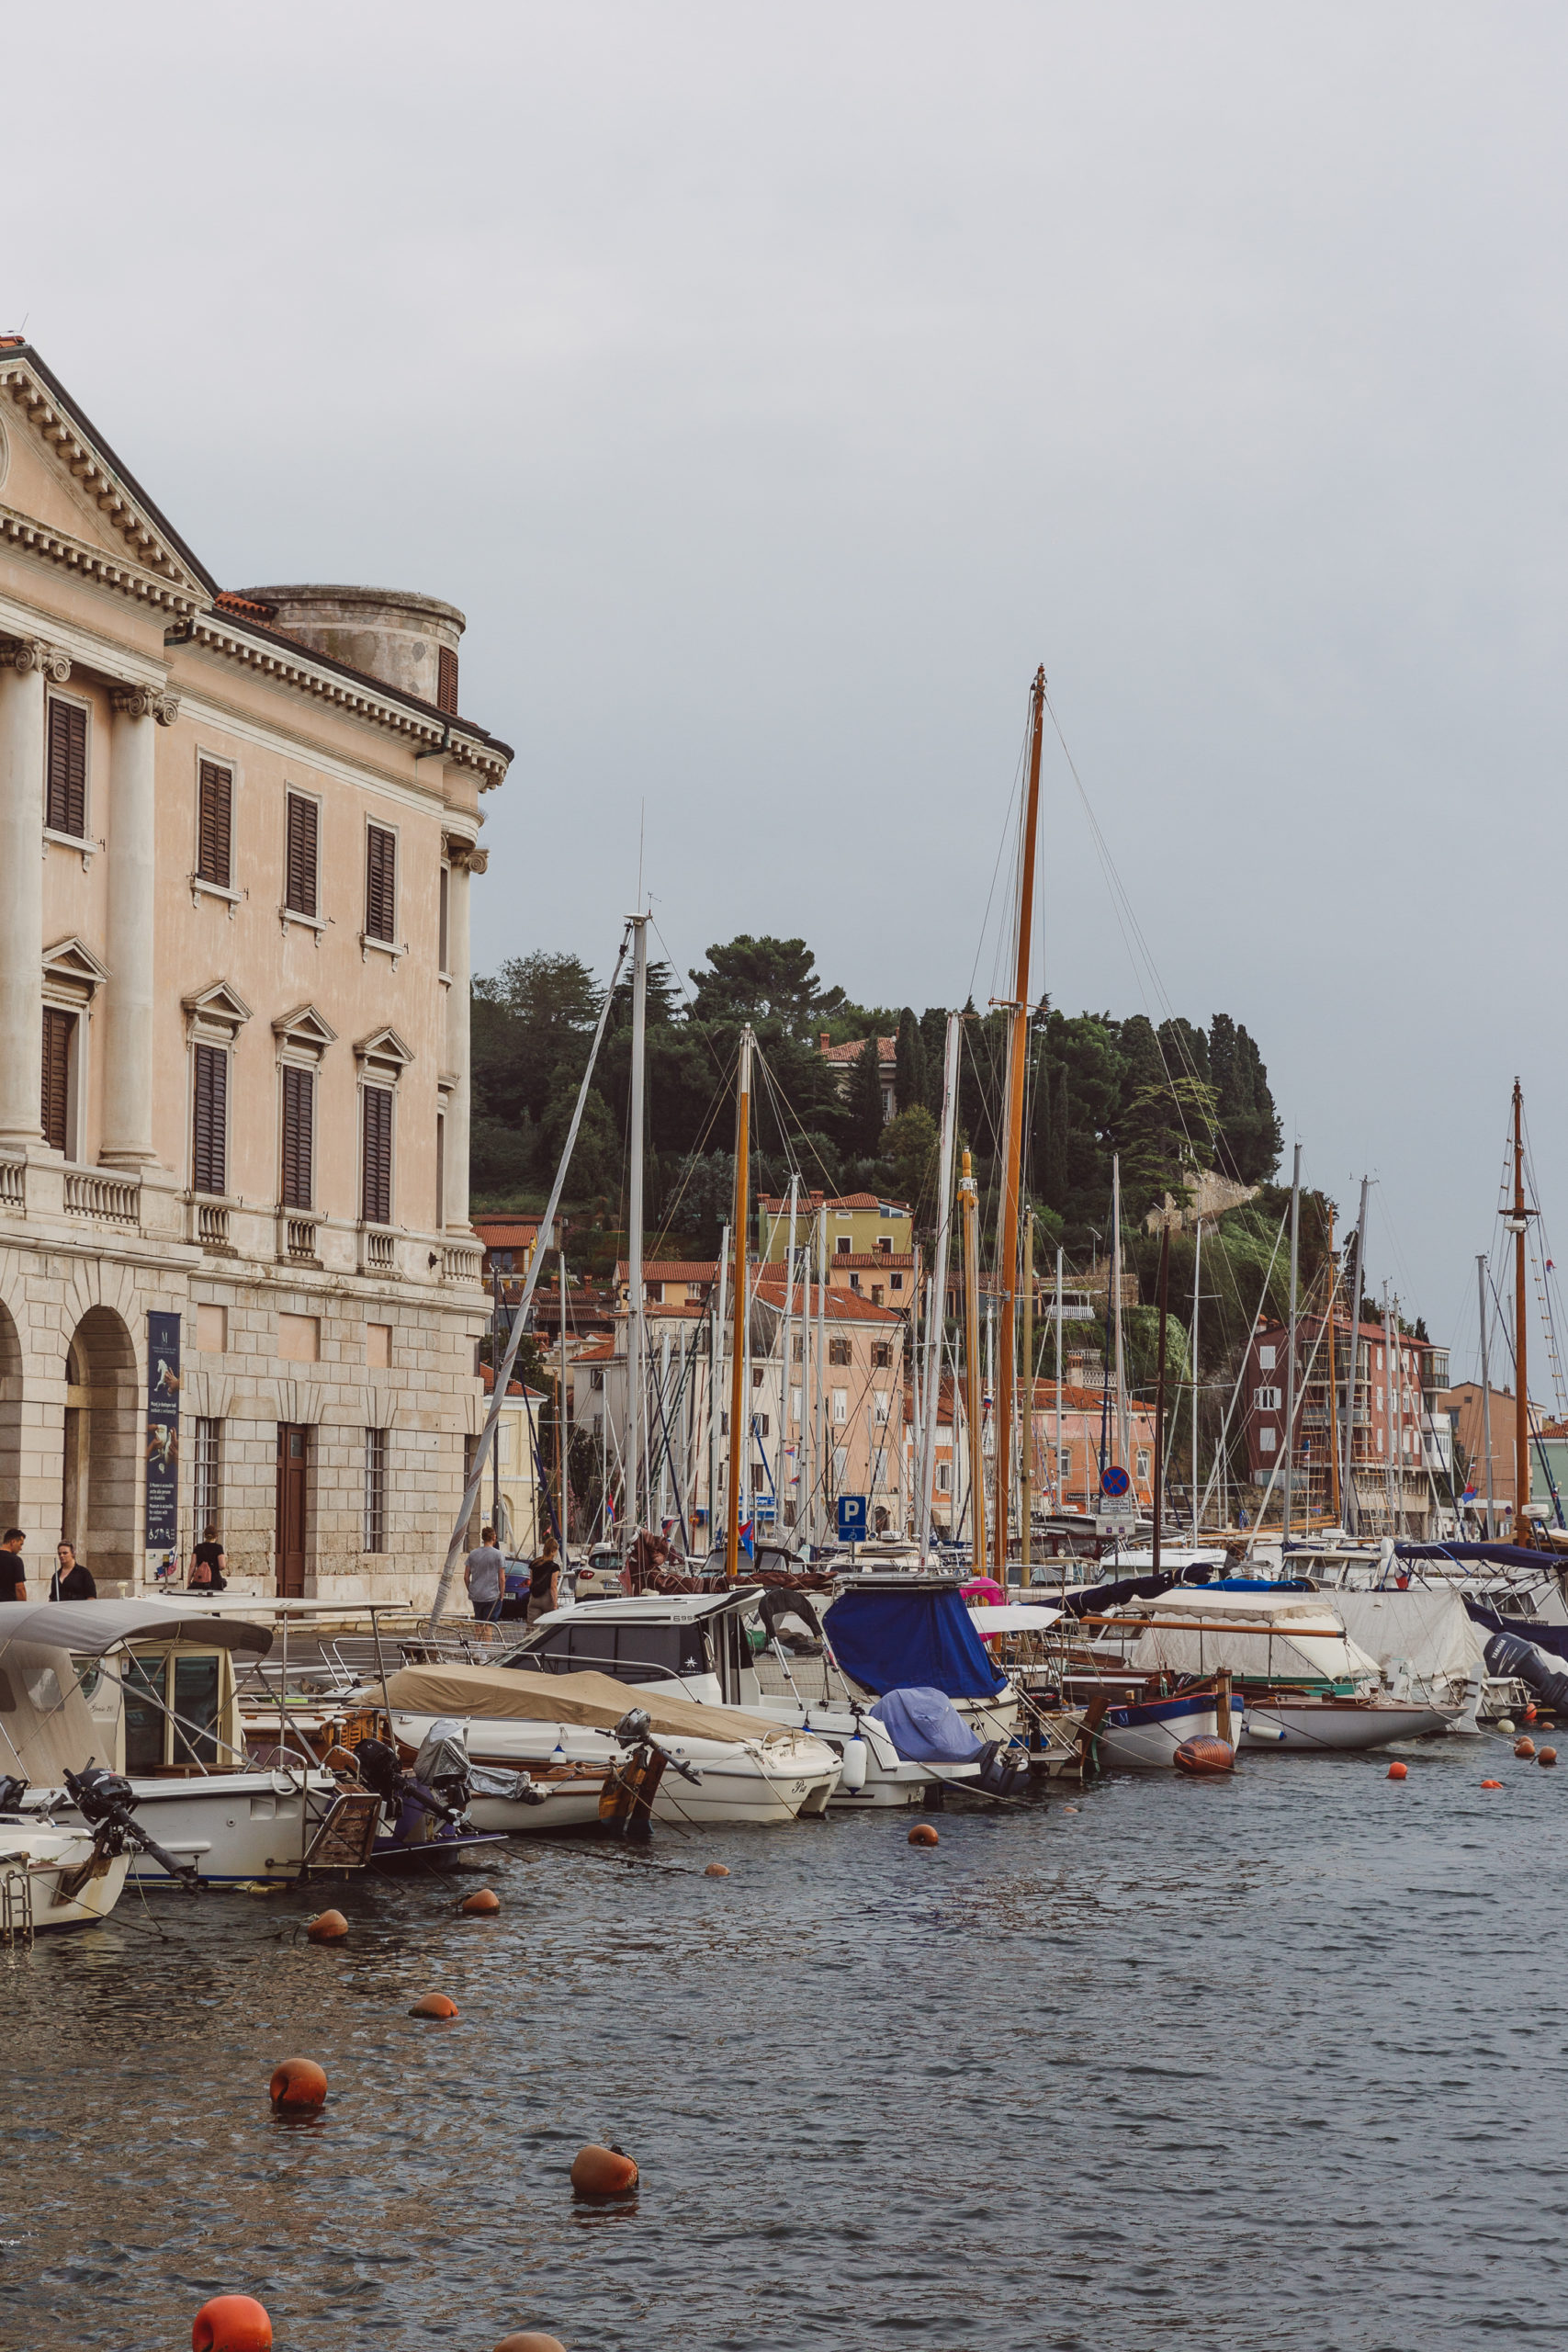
pixel 1275 2062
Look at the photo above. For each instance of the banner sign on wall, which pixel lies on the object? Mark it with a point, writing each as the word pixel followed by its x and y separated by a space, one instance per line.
pixel 162 1432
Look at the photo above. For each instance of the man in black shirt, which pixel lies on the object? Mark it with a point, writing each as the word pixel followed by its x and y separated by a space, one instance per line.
pixel 71 1581
pixel 12 1569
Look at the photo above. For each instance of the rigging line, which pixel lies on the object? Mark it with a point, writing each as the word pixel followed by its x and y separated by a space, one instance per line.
pixel 1009 828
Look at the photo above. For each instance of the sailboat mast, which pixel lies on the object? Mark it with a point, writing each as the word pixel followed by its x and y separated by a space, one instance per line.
pixel 635 1326
pixel 1521 1226
pixel 1026 1424
pixel 1012 1140
pixel 1485 1390
pixel 1197 1292
pixel 1056 1467
pixel 1164 1294
pixel 1353 1372
pixel 739 1224
pixel 937 1312
pixel 1333 1381
pixel 786 1376
pixel 968 1204
pixel 1290 1347
pixel 1123 1435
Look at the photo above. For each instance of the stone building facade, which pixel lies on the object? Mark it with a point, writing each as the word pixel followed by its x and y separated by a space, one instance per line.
pixel 237 838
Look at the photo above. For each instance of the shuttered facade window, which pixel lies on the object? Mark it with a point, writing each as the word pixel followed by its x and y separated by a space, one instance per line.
pixel 446 680
pixel 65 798
pixel 380 883
pixel 299 1137
pixel 299 879
pixel 210 1124
pixel 214 826
pixel 376 1155
pixel 55 1118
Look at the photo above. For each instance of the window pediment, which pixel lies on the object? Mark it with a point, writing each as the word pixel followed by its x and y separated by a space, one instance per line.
pixel 305 1028
pixel 219 1008
pixel 71 966
pixel 384 1050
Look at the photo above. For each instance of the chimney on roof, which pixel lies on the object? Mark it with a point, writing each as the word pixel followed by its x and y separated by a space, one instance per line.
pixel 824 1040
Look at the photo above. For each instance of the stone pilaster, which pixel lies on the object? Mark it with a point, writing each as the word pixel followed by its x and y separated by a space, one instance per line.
pixel 25 664
pixel 466 860
pixel 138 711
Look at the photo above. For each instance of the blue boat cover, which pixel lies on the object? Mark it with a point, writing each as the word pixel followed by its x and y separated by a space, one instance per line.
pixel 1551 1638
pixel 1500 1555
pixel 926 1727
pixel 895 1641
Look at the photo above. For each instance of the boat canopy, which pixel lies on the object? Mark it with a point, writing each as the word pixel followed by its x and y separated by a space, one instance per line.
pixel 89 1628
pixel 890 1639
pixel 1428 1628
pixel 1012 1617
pixel 1284 1636
pixel 46 1725
pixel 594 1702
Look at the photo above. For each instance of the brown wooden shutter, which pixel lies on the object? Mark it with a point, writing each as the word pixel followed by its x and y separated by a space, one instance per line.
pixel 57 1028
pixel 446 680
pixel 376 1206
pixel 210 1139
pixel 380 883
pixel 66 797
pixel 300 893
pixel 214 859
pixel 299 1136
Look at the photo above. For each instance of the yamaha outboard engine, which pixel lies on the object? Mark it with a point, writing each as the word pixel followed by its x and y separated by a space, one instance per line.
pixel 404 1794
pixel 1505 1654
pixel 105 1799
pixel 999 1775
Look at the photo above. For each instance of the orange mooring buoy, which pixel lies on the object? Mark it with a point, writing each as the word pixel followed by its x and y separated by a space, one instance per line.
pixel 602 2172
pixel 1547 1756
pixel 297 2083
pixel 1525 1747
pixel 716 1870
pixel 433 2005
pixel 1490 1784
pixel 231 2324
pixel 481 1903
pixel 327 1927
pixel 530 2341
pixel 1204 1755
pixel 1399 1772
pixel 923 1834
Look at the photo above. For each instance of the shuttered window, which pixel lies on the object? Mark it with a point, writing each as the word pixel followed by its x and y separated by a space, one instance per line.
pixel 446 680
pixel 380 883
pixel 66 810
pixel 300 882
pixel 210 1124
pixel 214 828
pixel 55 1115
pixel 299 1136
pixel 375 1182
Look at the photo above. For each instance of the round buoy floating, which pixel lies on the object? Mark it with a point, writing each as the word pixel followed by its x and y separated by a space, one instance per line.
pixel 923 1834
pixel 1531 1712
pixel 231 2324
pixel 298 2083
pixel 327 1927
pixel 1204 1755
pixel 530 2340
pixel 1547 1756
pixel 1525 1747
pixel 1506 1723
pixel 1399 1772
pixel 433 2005
pixel 481 1903
pixel 716 1870
pixel 602 2172
pixel 1490 1784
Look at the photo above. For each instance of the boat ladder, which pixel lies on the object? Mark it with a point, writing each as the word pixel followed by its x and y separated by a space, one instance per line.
pixel 15 1908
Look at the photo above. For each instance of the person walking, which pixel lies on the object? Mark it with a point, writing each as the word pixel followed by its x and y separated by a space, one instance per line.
pixel 484 1573
pixel 73 1579
pixel 208 1563
pixel 543 1580
pixel 13 1568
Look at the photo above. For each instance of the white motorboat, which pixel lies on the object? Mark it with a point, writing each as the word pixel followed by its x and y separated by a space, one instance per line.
pixel 51 1877
pixel 1310 1726
pixel 558 1726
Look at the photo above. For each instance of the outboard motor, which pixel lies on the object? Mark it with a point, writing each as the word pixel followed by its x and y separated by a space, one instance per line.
pixel 403 1794
pixel 1505 1654
pixel 105 1799
pixel 999 1775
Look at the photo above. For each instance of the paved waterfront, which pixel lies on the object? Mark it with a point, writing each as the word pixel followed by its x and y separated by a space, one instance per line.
pixel 1277 2063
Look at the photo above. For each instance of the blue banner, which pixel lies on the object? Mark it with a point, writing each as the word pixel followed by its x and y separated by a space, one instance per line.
pixel 162 1443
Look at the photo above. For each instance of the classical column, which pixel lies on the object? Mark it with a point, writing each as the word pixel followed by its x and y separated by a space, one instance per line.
pixel 138 711
pixel 466 860
pixel 25 663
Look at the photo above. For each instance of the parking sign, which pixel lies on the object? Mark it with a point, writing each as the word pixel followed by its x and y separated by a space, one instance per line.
pixel 851 1518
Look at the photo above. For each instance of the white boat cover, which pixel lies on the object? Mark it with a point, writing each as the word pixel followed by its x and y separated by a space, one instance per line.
pixel 595 1701
pixel 1428 1628
pixel 89 1628
pixel 1288 1638
pixel 1012 1617
pixel 45 1726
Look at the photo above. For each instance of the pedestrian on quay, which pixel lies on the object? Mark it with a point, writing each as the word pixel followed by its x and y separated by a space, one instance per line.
pixel 208 1563
pixel 73 1579
pixel 13 1568
pixel 544 1580
pixel 484 1573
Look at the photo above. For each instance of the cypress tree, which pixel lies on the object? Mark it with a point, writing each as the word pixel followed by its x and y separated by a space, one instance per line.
pixel 865 1104
pixel 909 1065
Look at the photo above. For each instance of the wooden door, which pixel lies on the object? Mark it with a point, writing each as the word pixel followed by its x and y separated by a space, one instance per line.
pixel 293 1464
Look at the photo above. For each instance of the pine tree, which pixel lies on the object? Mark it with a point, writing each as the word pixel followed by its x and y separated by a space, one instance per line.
pixel 864 1106
pixel 909 1065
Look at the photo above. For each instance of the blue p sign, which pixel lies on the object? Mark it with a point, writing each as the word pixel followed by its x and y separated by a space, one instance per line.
pixel 851 1518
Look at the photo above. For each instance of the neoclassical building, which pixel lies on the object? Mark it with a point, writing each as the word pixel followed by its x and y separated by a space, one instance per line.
pixel 237 836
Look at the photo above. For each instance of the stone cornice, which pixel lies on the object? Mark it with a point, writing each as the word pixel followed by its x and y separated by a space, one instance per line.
pixel 91 563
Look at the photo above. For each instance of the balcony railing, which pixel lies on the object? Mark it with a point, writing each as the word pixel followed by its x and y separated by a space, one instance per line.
pixel 13 1184
pixel 112 1200
pixel 461 1262
pixel 377 1250
pixel 211 1224
pixel 296 1238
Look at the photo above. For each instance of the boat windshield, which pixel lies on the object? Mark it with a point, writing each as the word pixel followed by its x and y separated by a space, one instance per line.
pixel 632 1653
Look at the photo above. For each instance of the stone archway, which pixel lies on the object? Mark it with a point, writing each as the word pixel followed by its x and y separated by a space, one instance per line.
pixel 101 1488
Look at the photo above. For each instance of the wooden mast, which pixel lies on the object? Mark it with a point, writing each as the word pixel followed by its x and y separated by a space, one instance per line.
pixel 1012 1140
pixel 739 1223
pixel 1026 1438
pixel 1519 1225
pixel 967 1205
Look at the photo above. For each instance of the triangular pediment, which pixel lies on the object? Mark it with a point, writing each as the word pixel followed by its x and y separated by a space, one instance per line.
pixel 59 475
pixel 73 959
pixel 220 1006
pixel 306 1026
pixel 384 1046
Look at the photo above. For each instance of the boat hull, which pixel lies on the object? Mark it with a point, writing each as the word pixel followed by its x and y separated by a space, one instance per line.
pixel 31 1867
pixel 236 1827
pixel 1336 1726
pixel 1145 1737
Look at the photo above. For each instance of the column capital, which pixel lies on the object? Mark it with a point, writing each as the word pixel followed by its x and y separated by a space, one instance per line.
pixel 466 856
pixel 147 702
pixel 35 653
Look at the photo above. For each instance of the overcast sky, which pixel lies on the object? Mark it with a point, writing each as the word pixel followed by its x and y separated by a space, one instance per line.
pixel 773 388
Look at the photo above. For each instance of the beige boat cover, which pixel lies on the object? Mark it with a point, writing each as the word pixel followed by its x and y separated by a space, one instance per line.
pixel 46 1725
pixel 596 1701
